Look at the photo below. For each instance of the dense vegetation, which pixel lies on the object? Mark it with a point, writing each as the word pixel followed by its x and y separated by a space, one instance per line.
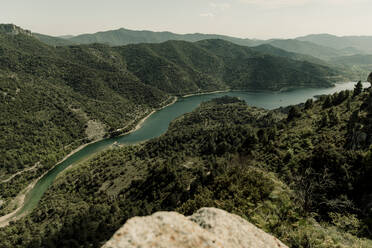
pixel 54 99
pixel 303 176
pixel 263 165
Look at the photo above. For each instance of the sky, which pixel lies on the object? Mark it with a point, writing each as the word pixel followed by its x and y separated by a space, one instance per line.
pixel 261 19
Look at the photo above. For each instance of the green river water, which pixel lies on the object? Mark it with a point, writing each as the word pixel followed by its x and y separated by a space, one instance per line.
pixel 158 123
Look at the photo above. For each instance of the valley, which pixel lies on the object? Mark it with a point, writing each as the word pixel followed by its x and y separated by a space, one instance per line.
pixel 94 134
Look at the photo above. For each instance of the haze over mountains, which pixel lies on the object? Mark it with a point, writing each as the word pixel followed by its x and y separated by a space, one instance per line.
pixel 324 45
pixel 338 50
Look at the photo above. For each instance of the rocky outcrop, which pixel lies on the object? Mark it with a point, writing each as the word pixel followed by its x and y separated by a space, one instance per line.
pixel 208 227
pixel 12 29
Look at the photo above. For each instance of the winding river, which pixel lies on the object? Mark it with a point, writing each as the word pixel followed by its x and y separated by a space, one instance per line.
pixel 158 123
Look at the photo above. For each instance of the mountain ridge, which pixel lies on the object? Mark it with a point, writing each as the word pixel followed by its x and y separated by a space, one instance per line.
pixel 123 36
pixel 361 43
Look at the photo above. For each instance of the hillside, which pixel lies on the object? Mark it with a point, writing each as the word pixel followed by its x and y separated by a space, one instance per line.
pixel 361 43
pixel 217 64
pixel 308 48
pixel 358 59
pixel 123 36
pixel 53 41
pixel 361 64
pixel 275 51
pixel 53 98
pixel 302 176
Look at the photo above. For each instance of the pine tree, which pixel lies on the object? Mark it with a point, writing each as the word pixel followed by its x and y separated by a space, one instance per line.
pixel 370 78
pixel 309 104
pixel 358 88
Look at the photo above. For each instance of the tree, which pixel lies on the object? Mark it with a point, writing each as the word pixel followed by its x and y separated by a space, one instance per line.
pixel 294 112
pixel 348 105
pixel 370 78
pixel 353 120
pixel 324 120
pixel 333 117
pixel 328 102
pixel 358 88
pixel 309 104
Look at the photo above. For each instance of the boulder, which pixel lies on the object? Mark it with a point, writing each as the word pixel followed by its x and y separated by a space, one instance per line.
pixel 208 227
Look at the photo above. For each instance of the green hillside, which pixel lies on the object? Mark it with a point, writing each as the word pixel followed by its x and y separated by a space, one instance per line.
pixel 52 98
pixel 361 43
pixel 217 64
pixel 308 48
pixel 53 41
pixel 302 176
pixel 358 59
pixel 361 64
pixel 275 51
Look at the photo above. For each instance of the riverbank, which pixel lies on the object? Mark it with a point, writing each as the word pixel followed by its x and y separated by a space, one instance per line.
pixel 138 126
pixel 140 123
pixel 206 93
pixel 20 199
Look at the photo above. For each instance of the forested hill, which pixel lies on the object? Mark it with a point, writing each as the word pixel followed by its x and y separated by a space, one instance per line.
pixel 55 99
pixel 180 67
pixel 350 43
pixel 124 36
pixel 302 176
pixel 311 46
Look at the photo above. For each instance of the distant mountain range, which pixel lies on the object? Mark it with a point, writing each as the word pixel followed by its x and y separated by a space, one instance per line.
pixel 346 43
pixel 322 46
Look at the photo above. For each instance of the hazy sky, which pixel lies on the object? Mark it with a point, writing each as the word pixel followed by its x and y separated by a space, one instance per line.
pixel 241 18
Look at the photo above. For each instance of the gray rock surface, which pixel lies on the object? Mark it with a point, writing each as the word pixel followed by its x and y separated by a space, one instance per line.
pixel 208 227
pixel 11 29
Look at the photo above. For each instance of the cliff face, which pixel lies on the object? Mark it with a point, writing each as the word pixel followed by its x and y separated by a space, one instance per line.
pixel 12 29
pixel 208 227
